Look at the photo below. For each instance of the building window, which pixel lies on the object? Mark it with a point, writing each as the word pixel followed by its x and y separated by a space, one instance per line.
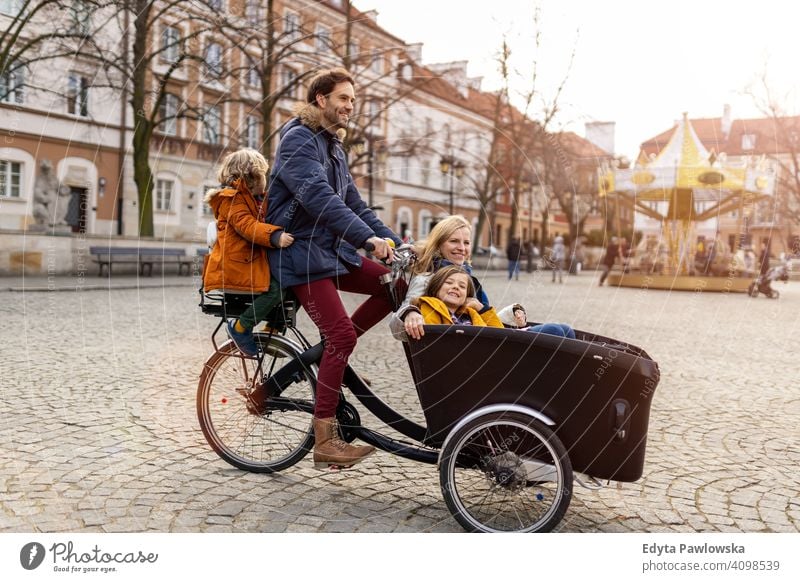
pixel 404 169
pixel 10 179
pixel 289 79
pixel 374 109
pixel 291 25
pixel 169 112
pixel 252 12
pixel 170 44
pixel 748 141
pixel 254 77
pixel 323 38
pixel 164 190
pixel 81 14
pixel 78 95
pixel 212 122
pixel 377 61
pixel 354 49
pixel 213 60
pixel 12 86
pixel 251 133
pixel 425 172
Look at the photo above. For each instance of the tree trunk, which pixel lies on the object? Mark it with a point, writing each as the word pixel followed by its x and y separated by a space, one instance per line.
pixel 143 176
pixel 477 235
pixel 545 231
pixel 142 128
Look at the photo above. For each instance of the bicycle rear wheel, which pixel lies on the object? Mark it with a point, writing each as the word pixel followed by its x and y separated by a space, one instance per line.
pixel 260 443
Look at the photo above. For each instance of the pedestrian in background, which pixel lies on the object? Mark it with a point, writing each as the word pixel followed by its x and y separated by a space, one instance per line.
pixel 513 253
pixel 557 256
pixel 612 252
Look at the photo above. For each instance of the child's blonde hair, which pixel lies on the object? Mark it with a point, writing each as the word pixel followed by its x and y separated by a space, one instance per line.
pixel 244 164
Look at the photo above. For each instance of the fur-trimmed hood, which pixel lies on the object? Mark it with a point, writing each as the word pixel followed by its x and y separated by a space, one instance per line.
pixel 311 116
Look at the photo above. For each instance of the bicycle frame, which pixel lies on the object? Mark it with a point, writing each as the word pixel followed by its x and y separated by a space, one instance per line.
pixel 305 360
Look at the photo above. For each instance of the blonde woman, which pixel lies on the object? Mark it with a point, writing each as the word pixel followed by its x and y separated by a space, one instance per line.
pixel 448 244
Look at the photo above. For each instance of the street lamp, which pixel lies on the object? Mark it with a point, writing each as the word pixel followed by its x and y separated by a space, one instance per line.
pixel 366 145
pixel 449 165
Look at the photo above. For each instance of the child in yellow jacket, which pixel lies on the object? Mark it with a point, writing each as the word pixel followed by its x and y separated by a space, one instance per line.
pixel 444 302
pixel 238 261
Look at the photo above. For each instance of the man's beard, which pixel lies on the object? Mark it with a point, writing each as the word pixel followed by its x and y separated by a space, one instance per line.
pixel 333 119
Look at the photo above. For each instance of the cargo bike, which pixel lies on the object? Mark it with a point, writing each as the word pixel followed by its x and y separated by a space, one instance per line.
pixel 512 418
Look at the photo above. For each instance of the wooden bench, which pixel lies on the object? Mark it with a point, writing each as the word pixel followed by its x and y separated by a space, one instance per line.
pixel 143 256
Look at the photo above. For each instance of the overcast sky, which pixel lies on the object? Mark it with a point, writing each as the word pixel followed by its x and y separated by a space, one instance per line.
pixel 637 63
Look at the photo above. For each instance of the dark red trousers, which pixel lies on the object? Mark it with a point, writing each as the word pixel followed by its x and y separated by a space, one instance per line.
pixel 321 301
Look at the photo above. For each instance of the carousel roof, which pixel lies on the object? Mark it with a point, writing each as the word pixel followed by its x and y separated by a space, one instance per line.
pixel 685 164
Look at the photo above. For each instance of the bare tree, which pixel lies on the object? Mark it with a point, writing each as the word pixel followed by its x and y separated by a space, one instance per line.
pixel 35 31
pixel 785 145
pixel 159 49
pixel 521 146
pixel 572 178
pixel 275 61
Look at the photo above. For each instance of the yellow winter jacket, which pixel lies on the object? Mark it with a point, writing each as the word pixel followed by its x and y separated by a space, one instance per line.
pixel 435 312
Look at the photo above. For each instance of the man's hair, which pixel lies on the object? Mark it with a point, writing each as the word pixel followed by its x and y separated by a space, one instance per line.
pixel 439 277
pixel 324 82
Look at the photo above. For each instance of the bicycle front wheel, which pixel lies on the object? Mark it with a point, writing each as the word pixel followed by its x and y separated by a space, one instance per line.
pixel 260 443
pixel 504 472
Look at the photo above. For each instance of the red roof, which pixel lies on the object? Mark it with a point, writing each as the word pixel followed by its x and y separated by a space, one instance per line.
pixel 770 136
pixel 581 147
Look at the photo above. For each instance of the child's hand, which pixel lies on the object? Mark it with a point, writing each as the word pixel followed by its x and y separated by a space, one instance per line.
pixel 474 303
pixel 285 240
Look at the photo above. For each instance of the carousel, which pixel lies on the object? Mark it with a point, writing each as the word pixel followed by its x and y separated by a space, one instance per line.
pixel 681 187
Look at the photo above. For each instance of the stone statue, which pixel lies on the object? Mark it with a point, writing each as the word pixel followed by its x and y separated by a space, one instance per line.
pixel 50 198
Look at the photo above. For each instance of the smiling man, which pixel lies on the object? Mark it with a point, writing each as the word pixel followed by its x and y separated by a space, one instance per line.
pixel 312 190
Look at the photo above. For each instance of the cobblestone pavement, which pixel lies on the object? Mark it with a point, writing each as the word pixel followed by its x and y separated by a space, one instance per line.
pixel 99 431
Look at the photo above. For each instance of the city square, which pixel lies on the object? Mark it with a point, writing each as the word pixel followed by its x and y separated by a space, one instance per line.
pixel 101 435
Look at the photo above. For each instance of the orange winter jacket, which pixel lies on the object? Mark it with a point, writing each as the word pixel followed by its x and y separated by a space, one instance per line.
pixel 238 261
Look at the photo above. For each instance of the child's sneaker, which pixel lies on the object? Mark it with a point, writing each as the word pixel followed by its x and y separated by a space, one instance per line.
pixel 244 341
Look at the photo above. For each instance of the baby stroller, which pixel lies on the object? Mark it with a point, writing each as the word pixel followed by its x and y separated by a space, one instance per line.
pixel 763 283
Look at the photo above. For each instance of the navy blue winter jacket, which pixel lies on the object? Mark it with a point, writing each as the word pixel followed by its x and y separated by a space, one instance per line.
pixel 313 197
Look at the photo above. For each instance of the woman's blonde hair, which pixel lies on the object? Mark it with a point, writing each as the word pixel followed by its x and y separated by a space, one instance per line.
pixel 428 249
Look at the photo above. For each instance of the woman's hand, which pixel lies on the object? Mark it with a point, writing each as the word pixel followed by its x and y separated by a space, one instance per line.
pixel 285 240
pixel 413 325
pixel 474 303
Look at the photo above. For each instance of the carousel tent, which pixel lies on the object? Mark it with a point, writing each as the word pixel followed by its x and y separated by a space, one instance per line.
pixel 693 184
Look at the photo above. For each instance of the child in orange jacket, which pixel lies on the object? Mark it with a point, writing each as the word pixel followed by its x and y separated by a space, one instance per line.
pixel 444 302
pixel 238 261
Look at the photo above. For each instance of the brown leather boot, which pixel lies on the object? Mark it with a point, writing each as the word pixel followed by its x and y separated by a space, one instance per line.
pixel 331 450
